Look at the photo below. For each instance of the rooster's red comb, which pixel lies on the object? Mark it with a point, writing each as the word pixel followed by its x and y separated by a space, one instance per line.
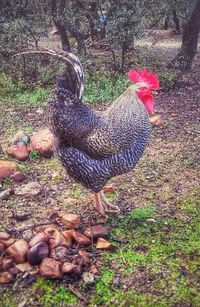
pixel 146 77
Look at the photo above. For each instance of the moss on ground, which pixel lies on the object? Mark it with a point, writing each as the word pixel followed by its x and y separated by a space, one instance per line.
pixel 158 264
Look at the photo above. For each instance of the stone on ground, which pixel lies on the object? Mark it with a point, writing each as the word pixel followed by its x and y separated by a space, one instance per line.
pixel 69 220
pixel 51 268
pixel 96 232
pixel 19 152
pixel 7 168
pixel 29 189
pixel 37 253
pixel 104 244
pixel 18 250
pixel 42 141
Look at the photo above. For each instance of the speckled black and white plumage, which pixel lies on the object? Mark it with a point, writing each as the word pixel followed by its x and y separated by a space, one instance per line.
pixel 95 146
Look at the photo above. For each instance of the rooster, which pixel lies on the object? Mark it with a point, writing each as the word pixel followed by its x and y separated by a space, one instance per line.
pixel 95 146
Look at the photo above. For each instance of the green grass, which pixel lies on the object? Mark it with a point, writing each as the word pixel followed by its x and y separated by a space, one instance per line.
pixel 102 88
pixel 169 259
pixel 53 294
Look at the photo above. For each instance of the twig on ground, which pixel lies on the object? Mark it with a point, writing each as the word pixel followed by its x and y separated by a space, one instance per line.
pixel 78 293
pixel 21 229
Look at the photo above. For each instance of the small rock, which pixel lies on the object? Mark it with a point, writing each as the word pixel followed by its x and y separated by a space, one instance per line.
pixel 27 234
pixel 51 268
pixel 80 239
pixel 104 244
pixel 70 220
pixel 68 267
pixel 96 232
pixel 67 234
pixel 60 253
pixel 5 278
pixel 22 216
pixel 2 248
pixel 18 177
pixel 6 239
pixel 4 235
pixel 7 263
pixel 20 138
pixel 94 270
pixel 29 189
pixel 19 152
pixel 14 271
pixel 88 278
pixel 18 250
pixel 37 253
pixel 39 237
pixel 42 141
pixel 109 189
pixel 7 168
pixel 55 238
pixel 24 267
pixel 85 255
pixel 151 220
pixel 6 194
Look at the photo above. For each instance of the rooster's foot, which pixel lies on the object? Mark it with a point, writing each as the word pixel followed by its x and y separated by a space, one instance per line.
pixel 103 206
pixel 107 205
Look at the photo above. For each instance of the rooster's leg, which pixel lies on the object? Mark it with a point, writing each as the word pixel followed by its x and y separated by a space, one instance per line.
pixel 108 207
pixel 99 205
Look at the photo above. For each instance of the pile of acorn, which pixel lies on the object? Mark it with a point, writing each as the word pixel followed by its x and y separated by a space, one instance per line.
pixel 53 253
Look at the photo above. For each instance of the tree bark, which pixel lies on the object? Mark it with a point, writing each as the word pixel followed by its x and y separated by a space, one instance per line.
pixel 57 9
pixel 185 57
pixel 176 21
pixel 166 24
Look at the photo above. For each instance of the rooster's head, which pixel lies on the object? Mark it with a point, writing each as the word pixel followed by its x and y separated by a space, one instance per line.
pixel 147 82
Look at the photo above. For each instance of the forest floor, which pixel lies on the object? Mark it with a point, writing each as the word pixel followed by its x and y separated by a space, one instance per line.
pixel 156 262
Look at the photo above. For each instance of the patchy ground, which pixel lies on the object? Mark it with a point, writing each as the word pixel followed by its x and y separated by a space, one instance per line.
pixel 157 234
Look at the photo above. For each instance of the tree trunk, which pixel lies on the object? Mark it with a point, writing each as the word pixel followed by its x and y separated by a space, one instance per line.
pixel 166 24
pixel 185 57
pixel 176 21
pixel 63 35
pixel 57 9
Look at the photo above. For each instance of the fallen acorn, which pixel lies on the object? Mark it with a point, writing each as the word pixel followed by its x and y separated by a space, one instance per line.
pixel 37 253
pixel 104 244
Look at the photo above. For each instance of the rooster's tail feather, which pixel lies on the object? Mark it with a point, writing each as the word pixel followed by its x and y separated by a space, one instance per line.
pixel 73 78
